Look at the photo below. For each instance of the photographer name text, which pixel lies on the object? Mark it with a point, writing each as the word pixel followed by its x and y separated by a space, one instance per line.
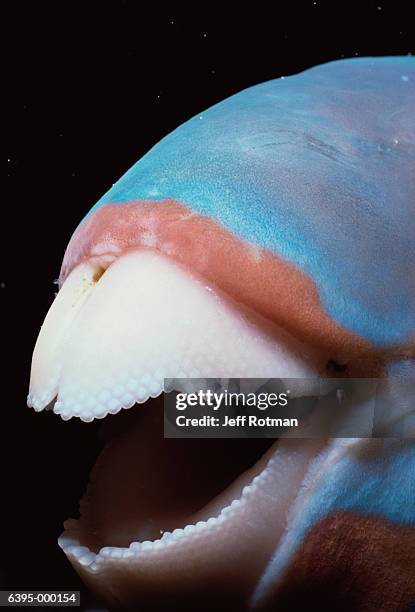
pixel 239 421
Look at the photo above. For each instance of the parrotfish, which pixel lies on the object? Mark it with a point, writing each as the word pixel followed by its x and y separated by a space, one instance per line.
pixel 272 235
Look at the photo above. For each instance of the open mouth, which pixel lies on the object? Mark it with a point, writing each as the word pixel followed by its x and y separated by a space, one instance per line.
pixel 148 490
pixel 147 494
pixel 183 514
pixel 193 520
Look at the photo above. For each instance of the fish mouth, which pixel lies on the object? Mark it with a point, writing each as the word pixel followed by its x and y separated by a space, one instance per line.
pixel 115 333
pixel 145 490
pixel 192 520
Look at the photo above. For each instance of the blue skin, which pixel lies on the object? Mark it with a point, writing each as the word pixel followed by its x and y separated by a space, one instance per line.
pixel 383 484
pixel 380 483
pixel 318 168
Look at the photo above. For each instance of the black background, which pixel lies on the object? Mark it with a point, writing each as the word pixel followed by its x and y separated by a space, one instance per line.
pixel 91 87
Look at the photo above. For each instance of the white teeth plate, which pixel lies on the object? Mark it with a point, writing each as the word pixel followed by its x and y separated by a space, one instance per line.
pixel 109 341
